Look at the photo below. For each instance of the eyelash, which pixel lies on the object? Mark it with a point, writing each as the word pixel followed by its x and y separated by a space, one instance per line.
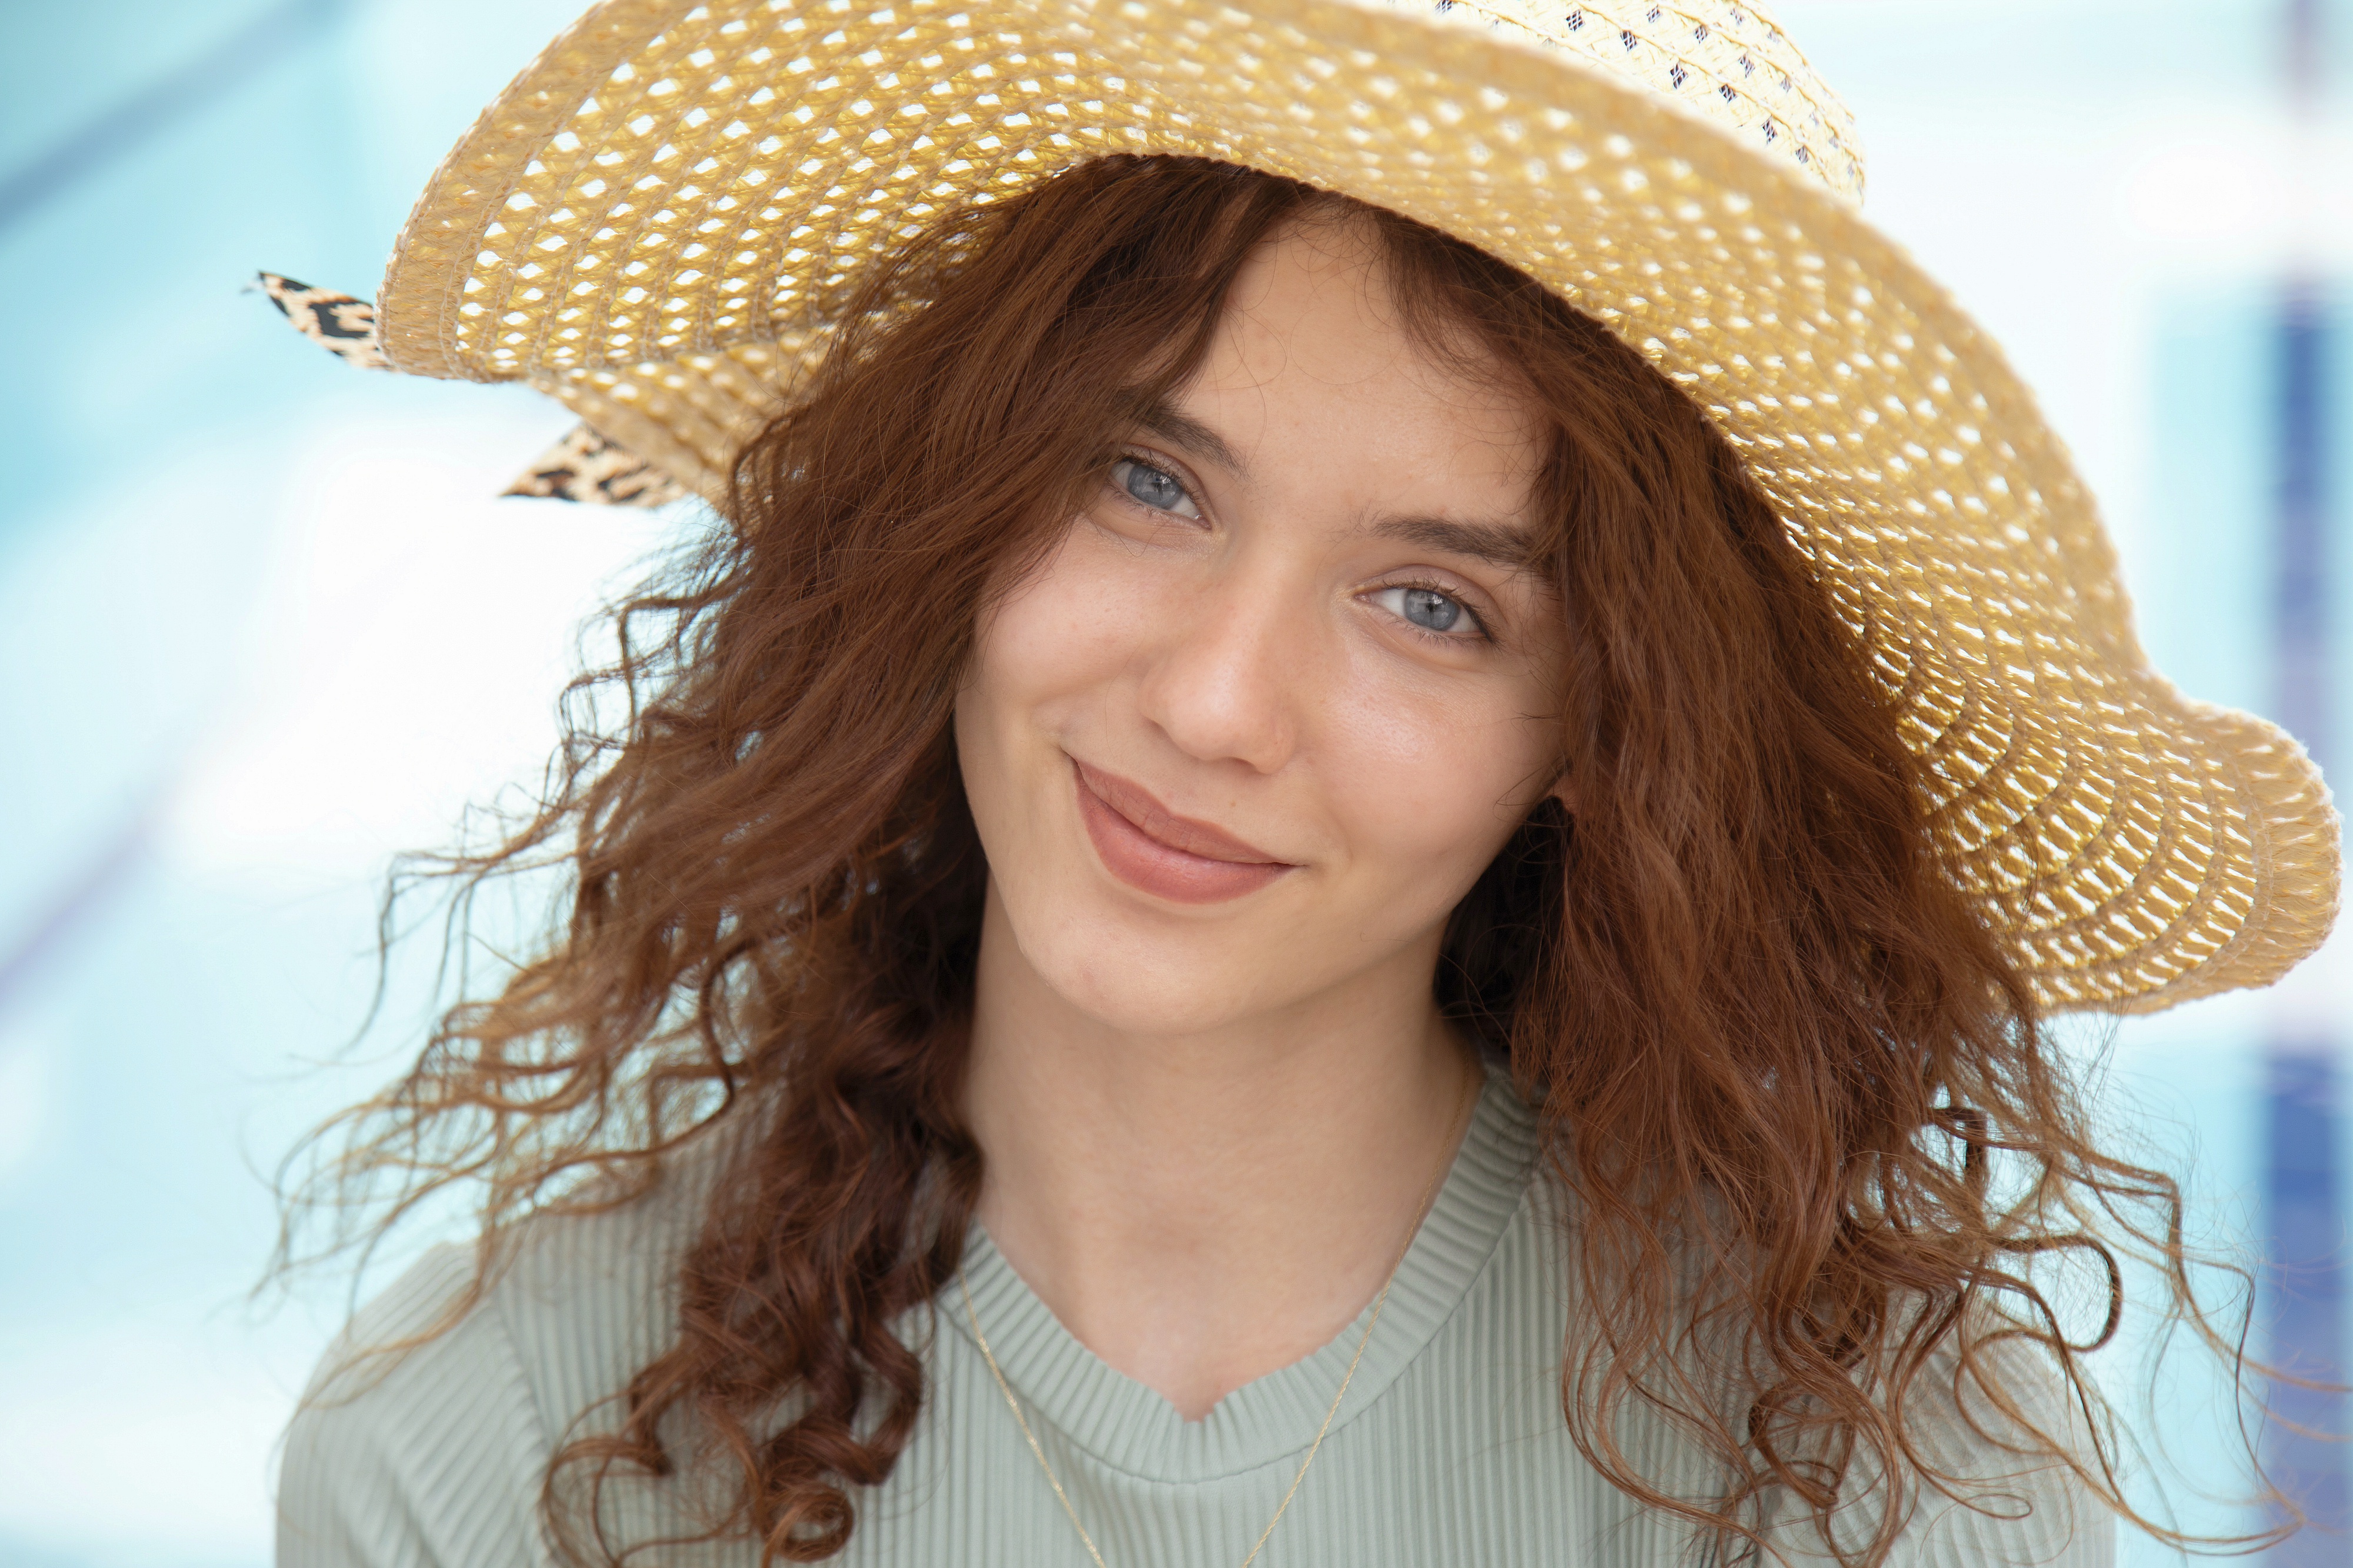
pixel 1436 639
pixel 1143 460
pixel 1440 639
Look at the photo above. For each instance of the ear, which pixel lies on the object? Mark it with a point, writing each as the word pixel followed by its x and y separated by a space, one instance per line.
pixel 1564 790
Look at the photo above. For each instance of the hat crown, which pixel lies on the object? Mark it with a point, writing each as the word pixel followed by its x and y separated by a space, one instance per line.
pixel 1730 63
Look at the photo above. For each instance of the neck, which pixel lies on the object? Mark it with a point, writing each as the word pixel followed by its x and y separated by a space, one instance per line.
pixel 1202 1209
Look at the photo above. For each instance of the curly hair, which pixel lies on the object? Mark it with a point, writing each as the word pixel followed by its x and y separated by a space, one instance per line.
pixel 1776 1058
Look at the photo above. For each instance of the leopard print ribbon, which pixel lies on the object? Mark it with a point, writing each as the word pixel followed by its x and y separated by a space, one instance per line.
pixel 582 467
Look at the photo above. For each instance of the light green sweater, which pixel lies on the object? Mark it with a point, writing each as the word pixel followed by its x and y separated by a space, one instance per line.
pixel 1451 1448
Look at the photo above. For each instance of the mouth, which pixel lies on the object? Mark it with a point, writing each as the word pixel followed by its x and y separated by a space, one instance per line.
pixel 1156 851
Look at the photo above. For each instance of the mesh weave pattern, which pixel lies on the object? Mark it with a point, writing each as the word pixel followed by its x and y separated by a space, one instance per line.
pixel 658 221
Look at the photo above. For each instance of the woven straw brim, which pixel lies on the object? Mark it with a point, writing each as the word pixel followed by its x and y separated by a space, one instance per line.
pixel 660 219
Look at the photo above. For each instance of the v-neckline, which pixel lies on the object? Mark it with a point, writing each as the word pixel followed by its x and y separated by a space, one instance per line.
pixel 1131 1428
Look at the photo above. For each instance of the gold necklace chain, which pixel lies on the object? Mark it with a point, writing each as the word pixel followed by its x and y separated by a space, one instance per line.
pixel 1422 1211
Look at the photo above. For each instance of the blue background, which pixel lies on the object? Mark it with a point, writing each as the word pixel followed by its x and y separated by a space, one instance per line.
pixel 262 623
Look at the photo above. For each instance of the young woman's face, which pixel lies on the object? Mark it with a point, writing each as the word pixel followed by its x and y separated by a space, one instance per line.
pixel 1284 690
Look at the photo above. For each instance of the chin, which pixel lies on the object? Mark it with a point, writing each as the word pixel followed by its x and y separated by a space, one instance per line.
pixel 1138 976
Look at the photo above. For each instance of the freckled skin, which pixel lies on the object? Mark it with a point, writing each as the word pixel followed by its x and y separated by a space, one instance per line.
pixel 1206 1121
pixel 1234 667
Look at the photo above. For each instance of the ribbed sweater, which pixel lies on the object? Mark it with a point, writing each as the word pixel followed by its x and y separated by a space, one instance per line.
pixel 1451 1448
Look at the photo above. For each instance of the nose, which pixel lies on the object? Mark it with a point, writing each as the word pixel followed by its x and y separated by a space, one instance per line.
pixel 1227 685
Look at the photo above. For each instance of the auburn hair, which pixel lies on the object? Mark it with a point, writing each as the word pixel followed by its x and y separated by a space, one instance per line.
pixel 1815 1139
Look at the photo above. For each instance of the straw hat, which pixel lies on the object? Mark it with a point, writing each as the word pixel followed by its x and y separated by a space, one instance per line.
pixel 657 222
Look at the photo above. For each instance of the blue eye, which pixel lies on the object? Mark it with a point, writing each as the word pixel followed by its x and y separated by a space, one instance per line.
pixel 1155 488
pixel 1429 607
pixel 1434 611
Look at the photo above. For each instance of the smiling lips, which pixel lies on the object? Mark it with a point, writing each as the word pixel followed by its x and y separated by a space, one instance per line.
pixel 1152 849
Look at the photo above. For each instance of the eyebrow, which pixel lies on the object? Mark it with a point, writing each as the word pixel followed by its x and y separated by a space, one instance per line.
pixel 1498 544
pixel 1186 431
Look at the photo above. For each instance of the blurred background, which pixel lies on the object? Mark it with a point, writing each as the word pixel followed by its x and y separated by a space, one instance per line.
pixel 263 625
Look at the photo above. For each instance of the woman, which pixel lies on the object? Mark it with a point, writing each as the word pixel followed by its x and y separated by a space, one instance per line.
pixel 1268 899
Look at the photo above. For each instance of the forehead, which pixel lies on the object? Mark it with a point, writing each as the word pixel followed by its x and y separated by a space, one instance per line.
pixel 1313 364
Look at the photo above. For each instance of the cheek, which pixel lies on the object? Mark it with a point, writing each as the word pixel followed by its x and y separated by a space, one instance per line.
pixel 1064 640
pixel 1432 784
pixel 1052 650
